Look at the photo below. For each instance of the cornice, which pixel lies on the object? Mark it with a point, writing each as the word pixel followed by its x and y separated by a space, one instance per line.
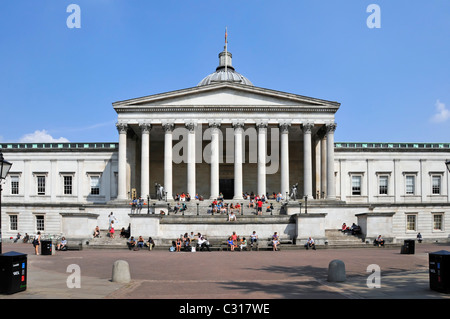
pixel 227 108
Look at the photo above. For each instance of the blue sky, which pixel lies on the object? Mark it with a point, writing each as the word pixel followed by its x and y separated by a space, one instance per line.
pixel 393 82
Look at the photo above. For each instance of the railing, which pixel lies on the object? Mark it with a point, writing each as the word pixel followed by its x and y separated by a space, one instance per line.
pixel 60 146
pixel 412 146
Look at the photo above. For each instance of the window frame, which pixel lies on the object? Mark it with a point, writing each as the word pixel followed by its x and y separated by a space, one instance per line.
pixel 353 189
pixel 386 191
pixel 414 179
pixel 39 220
pixel 11 222
pixel 408 223
pixel 441 215
pixel 12 179
pixel 96 187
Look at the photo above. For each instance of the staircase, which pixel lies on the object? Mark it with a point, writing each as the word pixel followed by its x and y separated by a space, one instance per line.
pixel 338 239
pixel 203 206
pixel 106 242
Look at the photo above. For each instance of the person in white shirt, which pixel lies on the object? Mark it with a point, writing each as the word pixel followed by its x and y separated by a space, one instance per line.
pixel 203 243
pixel 310 243
pixel 253 238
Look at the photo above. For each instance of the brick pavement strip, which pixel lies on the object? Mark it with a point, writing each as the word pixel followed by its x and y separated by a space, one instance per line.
pixel 293 274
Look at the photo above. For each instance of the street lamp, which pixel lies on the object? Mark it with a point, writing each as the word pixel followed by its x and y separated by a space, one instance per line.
pixel 4 169
pixel 306 204
pixel 447 163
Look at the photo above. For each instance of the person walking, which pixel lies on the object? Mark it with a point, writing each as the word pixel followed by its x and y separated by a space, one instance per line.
pixel 37 242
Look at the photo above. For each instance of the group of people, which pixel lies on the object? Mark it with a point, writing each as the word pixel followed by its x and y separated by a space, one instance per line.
pixel 353 229
pixel 183 197
pixel 234 242
pixel 219 206
pixel 137 204
pixel 134 244
pixel 258 202
pixel 190 242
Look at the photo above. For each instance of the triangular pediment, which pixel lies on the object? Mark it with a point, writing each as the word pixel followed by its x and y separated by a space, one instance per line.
pixel 224 94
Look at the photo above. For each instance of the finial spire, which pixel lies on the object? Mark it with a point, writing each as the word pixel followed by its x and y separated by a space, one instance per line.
pixel 226 47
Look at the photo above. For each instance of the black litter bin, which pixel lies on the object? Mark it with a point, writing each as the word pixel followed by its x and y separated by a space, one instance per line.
pixel 13 272
pixel 408 246
pixel 439 263
pixel 46 247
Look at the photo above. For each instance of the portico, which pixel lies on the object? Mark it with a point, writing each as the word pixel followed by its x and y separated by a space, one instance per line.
pixel 225 128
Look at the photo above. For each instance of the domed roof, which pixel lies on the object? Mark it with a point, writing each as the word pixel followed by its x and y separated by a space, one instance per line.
pixel 225 72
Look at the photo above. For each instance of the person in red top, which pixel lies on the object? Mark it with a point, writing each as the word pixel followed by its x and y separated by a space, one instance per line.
pixel 260 203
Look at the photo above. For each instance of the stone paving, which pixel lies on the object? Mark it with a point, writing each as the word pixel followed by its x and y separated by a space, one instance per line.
pixel 226 275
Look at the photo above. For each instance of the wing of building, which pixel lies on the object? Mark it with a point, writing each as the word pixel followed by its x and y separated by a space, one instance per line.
pixel 226 138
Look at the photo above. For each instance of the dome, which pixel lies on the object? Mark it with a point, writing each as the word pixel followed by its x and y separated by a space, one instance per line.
pixel 225 72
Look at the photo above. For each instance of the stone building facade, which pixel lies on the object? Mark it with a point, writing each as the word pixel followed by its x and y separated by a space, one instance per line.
pixel 227 136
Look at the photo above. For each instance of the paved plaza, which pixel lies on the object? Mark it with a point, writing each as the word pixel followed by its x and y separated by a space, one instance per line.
pixel 285 274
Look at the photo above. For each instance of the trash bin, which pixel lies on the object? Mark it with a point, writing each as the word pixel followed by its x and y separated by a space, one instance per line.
pixel 439 266
pixel 13 272
pixel 408 246
pixel 47 247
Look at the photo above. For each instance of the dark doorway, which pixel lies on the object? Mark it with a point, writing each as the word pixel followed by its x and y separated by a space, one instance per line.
pixel 226 187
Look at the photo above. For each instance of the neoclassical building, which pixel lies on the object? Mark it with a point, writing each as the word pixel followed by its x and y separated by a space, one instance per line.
pixel 226 136
pixel 252 140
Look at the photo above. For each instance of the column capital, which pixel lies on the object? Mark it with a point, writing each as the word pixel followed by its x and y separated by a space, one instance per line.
pixel 214 125
pixel 261 126
pixel 145 127
pixel 122 127
pixel 331 127
pixel 190 126
pixel 168 127
pixel 237 126
pixel 284 127
pixel 307 127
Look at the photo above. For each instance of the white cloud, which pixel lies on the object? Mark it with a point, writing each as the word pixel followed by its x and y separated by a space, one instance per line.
pixel 41 137
pixel 442 113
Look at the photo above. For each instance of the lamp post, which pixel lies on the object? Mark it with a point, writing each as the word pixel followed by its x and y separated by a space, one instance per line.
pixel 306 204
pixel 447 163
pixel 4 169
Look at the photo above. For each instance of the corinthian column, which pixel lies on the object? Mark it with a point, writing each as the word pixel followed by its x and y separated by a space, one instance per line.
pixel 307 160
pixel 262 142
pixel 191 175
pixel 284 162
pixel 122 174
pixel 331 185
pixel 215 127
pixel 145 159
pixel 168 129
pixel 238 176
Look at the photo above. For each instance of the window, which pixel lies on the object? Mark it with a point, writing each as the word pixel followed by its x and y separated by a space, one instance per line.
pixel 383 185
pixel 411 222
pixel 13 225
pixel 95 185
pixel 410 184
pixel 67 185
pixel 435 185
pixel 356 185
pixel 14 185
pixel 437 222
pixel 40 184
pixel 40 223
